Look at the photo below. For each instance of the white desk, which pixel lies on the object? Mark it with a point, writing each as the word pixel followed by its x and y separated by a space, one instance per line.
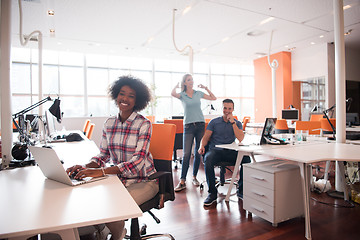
pixel 304 155
pixel 31 204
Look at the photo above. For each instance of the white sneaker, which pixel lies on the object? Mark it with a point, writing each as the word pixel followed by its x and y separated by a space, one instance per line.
pixel 195 182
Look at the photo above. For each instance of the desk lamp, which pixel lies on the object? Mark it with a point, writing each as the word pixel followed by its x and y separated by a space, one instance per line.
pixel 19 150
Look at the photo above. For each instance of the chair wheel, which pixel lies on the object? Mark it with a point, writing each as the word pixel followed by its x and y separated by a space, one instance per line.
pixel 143 230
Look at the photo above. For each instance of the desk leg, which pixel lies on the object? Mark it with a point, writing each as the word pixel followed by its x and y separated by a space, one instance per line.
pixel 342 179
pixel 252 156
pixel 235 172
pixel 305 171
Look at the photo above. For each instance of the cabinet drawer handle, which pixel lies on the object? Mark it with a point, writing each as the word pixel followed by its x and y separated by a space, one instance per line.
pixel 259 194
pixel 258 178
pixel 258 209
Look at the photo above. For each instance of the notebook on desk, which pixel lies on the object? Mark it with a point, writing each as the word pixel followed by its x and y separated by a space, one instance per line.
pixel 52 168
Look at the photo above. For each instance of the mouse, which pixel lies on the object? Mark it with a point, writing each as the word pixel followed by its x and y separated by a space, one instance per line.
pixel 73 137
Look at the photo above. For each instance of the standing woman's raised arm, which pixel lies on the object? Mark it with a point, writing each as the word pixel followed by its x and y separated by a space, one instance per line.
pixel 211 96
pixel 174 93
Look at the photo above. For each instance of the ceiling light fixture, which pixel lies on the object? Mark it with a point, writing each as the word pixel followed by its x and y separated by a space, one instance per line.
pixel 312 43
pixel 348 32
pixel 51 12
pixel 321 36
pixel 267 20
pixel 346 7
pixel 255 33
pixel 225 39
pixel 186 10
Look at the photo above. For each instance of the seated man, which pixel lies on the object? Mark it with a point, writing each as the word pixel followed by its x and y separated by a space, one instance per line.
pixel 221 130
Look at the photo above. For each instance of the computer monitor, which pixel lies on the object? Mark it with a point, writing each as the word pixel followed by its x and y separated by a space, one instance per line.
pixel 268 129
pixel 352 118
pixel 50 124
pixel 177 117
pixel 290 114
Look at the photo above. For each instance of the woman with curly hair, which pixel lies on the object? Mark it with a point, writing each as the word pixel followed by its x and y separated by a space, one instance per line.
pixel 125 143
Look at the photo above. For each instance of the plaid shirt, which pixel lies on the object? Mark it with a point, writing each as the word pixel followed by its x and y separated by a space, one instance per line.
pixel 126 145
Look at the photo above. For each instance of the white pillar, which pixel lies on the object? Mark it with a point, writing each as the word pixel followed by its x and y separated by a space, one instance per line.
pixel 339 80
pixel 5 63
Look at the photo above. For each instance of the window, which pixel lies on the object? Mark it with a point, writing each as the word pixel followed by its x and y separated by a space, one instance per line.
pixel 312 93
pixel 82 81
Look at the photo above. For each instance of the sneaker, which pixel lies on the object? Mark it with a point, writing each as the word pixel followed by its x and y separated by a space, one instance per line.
pixel 180 187
pixel 195 182
pixel 211 198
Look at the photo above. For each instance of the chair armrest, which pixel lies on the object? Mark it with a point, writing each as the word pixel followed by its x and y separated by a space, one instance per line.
pixel 158 175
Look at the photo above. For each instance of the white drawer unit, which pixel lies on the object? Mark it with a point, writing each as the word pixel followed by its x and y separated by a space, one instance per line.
pixel 272 190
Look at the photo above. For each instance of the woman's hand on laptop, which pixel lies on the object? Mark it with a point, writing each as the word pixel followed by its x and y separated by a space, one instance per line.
pixel 89 172
pixel 74 170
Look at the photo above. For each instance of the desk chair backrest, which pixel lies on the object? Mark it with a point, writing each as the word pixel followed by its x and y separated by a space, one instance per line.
pixel 179 123
pixel 151 118
pixel 86 126
pixel 90 130
pixel 281 126
pixel 246 120
pixel 161 148
pixel 316 117
pixel 312 126
pixel 325 125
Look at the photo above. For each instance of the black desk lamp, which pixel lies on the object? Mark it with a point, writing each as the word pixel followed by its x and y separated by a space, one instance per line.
pixel 19 151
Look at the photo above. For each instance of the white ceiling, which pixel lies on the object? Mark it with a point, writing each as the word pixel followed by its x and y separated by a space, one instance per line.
pixel 123 27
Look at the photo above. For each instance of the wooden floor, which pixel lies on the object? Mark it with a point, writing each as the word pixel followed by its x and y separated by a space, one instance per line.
pixel 186 218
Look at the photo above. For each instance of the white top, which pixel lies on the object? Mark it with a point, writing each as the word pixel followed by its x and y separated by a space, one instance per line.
pixel 310 153
pixel 32 204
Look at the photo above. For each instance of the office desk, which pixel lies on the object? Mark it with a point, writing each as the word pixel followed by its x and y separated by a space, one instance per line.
pixel 305 155
pixel 31 204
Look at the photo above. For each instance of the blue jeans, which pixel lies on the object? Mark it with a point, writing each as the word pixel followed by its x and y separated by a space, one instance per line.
pixel 191 131
pixel 214 156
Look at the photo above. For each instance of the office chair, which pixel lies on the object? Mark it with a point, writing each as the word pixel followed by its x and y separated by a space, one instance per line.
pixel 246 120
pixel 316 117
pixel 281 126
pixel 151 118
pixel 178 138
pixel 312 126
pixel 161 148
pixel 325 125
pixel 86 126
pixel 90 130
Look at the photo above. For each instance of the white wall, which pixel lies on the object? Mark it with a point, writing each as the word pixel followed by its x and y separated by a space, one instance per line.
pixel 352 61
pixel 309 62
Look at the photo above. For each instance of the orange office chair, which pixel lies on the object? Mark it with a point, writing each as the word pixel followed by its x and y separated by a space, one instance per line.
pixel 325 125
pixel 312 126
pixel 178 137
pixel 86 126
pixel 161 148
pixel 151 118
pixel 245 122
pixel 316 117
pixel 281 126
pixel 90 131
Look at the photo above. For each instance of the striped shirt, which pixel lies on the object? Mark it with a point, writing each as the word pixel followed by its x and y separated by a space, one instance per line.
pixel 126 145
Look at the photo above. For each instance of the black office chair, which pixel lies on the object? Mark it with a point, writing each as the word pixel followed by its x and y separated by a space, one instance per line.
pixel 161 148
pixel 178 144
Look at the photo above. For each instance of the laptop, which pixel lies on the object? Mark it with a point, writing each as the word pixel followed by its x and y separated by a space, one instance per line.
pixel 52 168
pixel 266 135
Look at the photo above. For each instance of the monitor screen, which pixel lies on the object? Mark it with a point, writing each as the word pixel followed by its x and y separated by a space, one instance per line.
pixel 50 124
pixel 268 129
pixel 290 114
pixel 352 118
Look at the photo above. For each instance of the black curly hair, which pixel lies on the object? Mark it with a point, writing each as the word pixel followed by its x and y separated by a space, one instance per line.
pixel 143 94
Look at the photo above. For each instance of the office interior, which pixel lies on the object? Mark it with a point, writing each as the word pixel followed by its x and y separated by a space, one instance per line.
pixel 223 43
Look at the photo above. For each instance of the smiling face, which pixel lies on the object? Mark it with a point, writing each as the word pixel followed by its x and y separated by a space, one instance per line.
pixel 126 99
pixel 189 82
pixel 228 108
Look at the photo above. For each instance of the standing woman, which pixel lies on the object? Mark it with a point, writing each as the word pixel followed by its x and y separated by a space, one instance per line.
pixel 194 125
pixel 125 143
